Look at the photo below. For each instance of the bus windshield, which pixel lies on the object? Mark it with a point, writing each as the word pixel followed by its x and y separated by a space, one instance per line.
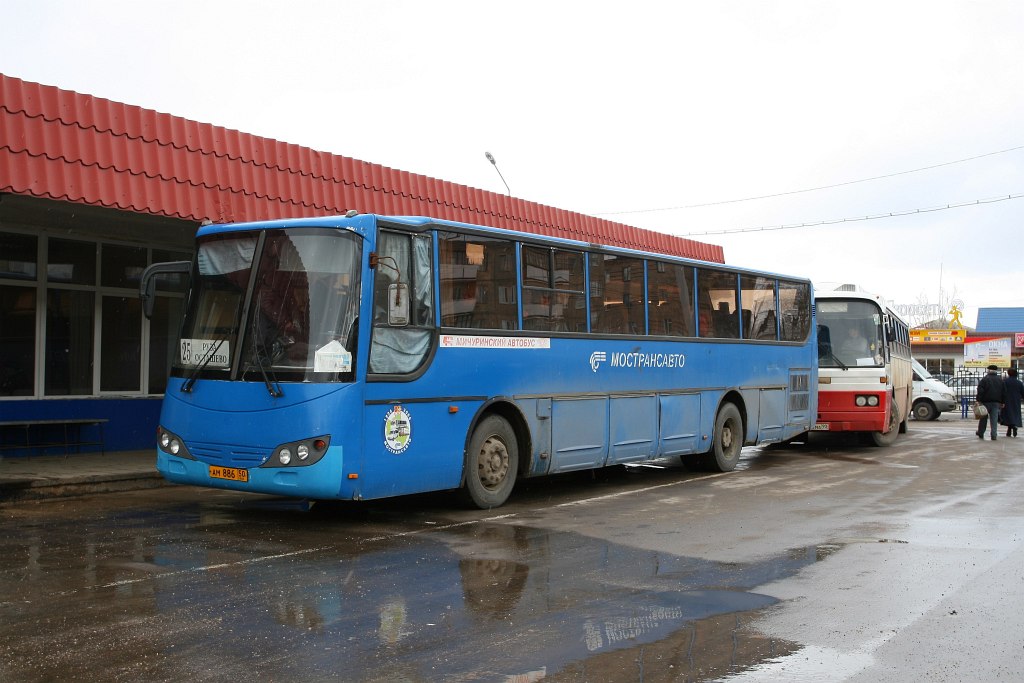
pixel 303 294
pixel 849 334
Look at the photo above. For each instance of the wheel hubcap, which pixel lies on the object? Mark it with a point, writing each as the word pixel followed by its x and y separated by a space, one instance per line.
pixel 727 437
pixel 492 462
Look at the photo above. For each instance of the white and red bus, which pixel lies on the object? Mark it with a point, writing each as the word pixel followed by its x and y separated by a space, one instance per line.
pixel 865 378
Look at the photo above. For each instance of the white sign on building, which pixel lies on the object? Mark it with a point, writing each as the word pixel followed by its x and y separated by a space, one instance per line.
pixel 985 352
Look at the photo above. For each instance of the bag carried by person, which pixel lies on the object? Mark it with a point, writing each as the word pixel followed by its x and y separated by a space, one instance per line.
pixel 980 410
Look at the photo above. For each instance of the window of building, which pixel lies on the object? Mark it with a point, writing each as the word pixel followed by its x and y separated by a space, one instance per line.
pixel 77 301
pixel 69 342
pixel 17 340
pixel 122 266
pixel 71 262
pixel 18 256
pixel 121 344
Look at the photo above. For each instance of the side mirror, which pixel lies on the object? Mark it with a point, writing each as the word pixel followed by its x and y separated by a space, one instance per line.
pixel 398 305
pixel 147 286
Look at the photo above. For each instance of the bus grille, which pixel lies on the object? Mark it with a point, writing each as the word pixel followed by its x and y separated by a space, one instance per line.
pixel 229 455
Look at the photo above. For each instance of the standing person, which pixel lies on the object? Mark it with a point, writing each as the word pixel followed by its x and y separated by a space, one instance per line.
pixel 991 395
pixel 1013 390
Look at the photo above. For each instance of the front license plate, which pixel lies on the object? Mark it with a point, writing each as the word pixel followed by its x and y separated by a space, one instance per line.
pixel 229 473
pixel 820 427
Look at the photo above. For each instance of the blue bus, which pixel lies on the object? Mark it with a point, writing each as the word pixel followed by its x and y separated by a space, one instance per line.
pixel 367 356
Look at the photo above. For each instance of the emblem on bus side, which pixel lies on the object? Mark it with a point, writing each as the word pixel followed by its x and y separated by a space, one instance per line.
pixel 397 430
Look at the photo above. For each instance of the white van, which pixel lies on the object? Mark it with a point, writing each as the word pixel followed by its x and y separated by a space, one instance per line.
pixel 931 396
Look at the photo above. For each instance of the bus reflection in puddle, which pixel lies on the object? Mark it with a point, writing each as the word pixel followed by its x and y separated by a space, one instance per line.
pixel 487 602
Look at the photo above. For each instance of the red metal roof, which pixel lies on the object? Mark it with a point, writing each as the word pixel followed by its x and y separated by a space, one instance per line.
pixel 59 144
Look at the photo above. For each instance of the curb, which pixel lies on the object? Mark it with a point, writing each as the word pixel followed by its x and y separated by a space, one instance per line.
pixel 36 489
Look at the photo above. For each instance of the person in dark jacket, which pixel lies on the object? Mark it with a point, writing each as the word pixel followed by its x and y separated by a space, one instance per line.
pixel 991 394
pixel 1013 390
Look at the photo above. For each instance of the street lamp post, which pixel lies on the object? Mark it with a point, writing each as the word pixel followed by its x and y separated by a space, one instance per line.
pixel 490 158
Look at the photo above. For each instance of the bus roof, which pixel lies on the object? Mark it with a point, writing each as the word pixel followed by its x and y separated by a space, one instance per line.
pixel 855 292
pixel 364 224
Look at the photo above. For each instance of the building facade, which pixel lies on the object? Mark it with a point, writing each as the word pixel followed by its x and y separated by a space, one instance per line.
pixel 946 354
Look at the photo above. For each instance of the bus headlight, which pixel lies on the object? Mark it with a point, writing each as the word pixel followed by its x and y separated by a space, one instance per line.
pixel 171 443
pixel 298 453
pixel 861 401
pixel 872 401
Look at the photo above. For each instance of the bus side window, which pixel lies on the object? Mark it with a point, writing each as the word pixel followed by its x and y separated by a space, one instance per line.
pixel 670 299
pixel 403 268
pixel 717 293
pixel 794 306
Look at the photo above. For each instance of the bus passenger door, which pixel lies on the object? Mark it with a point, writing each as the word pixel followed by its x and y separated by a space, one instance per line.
pixel 679 424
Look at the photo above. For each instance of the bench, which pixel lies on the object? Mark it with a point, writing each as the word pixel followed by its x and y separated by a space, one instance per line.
pixel 41 434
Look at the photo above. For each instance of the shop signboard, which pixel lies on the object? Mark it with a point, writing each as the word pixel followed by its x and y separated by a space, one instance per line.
pixel 980 353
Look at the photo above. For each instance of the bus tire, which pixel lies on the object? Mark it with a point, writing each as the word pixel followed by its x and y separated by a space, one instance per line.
pixel 726 443
pixel 492 462
pixel 882 440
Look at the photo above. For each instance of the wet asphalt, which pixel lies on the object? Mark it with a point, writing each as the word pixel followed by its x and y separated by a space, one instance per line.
pixel 835 561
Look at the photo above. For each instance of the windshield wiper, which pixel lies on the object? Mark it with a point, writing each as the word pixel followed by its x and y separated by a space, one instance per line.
pixel 203 362
pixel 264 362
pixel 838 362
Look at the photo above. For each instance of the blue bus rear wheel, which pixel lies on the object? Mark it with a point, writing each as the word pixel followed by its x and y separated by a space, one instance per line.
pixel 725 451
pixel 492 461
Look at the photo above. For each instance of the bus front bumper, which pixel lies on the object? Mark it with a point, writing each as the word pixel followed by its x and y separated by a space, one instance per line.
pixel 312 481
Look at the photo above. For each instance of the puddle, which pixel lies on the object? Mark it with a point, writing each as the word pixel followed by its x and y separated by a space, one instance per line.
pixel 474 601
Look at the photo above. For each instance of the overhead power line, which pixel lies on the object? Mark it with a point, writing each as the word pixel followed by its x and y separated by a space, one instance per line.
pixel 811 189
pixel 891 214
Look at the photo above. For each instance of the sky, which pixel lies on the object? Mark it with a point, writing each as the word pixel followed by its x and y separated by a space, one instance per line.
pixel 786 132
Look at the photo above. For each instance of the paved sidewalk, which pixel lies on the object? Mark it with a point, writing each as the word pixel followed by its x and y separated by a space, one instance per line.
pixel 57 476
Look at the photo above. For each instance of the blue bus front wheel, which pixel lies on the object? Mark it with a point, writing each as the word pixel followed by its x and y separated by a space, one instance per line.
pixel 492 461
